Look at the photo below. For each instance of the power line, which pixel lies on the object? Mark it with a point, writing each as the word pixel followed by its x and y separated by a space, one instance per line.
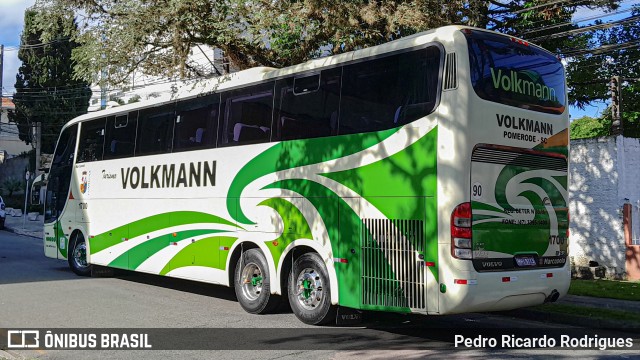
pixel 599 50
pixel 574 22
pixel 543 5
pixel 587 28
pixel 37 45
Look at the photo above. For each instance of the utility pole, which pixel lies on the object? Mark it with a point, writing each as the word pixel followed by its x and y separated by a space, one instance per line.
pixel 616 105
pixel 38 147
pixel 1 67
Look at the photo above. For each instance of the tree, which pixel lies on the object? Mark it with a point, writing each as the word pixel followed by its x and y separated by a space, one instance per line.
pixel 588 127
pixel 46 90
pixel 12 185
pixel 156 37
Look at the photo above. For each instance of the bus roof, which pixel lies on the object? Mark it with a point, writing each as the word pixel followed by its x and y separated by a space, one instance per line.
pixel 193 88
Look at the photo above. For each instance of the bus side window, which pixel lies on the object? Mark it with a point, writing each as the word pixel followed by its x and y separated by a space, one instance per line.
pixel 305 111
pixel 91 144
pixel 391 91
pixel 196 123
pixel 248 115
pixel 155 130
pixel 120 139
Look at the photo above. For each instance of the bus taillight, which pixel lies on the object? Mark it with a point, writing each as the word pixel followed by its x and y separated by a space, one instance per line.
pixel 461 231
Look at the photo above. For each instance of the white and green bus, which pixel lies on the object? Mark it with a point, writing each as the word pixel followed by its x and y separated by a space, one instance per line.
pixel 427 175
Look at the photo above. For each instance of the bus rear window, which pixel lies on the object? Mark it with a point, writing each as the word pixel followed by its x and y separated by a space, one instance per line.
pixel 510 72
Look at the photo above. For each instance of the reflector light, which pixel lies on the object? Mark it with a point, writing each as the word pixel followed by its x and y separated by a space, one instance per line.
pixel 340 260
pixel 462 253
pixel 521 42
pixel 461 232
pixel 430 263
pixel 465 282
pixel 224 248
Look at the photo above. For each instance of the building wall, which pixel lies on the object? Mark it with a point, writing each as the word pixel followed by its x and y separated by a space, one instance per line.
pixel 604 174
pixel 14 168
pixel 9 140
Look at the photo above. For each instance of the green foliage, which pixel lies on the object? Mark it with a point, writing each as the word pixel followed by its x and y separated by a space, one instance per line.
pixel 623 290
pixel 157 37
pixel 594 314
pixel 12 185
pixel 116 99
pixel 588 127
pixel 134 99
pixel 46 88
pixel 589 74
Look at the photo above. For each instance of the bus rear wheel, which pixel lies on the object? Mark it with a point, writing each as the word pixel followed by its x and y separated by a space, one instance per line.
pixel 309 291
pixel 252 283
pixel 77 256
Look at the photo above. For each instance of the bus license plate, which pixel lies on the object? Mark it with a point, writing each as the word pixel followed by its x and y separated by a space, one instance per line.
pixel 523 261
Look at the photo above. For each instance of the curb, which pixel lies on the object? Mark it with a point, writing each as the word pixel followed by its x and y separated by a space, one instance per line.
pixel 570 319
pixel 6 355
pixel 23 233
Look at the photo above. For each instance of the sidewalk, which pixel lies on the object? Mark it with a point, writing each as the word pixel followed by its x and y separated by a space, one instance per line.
pixel 24 226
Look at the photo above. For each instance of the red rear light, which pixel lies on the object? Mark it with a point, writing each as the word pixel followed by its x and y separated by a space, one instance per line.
pixel 461 231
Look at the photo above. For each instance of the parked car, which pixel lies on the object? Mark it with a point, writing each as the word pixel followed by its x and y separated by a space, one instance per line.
pixel 3 214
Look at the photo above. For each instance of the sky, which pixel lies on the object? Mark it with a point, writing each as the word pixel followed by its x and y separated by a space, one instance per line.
pixel 12 18
pixel 11 24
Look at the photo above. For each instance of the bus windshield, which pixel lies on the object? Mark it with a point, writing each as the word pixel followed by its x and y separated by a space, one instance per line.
pixel 510 71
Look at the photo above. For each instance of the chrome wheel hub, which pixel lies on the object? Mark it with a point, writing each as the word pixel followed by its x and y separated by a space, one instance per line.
pixel 251 281
pixel 80 255
pixel 310 289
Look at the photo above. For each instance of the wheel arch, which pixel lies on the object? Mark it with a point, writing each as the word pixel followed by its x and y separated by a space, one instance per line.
pixel 72 239
pixel 233 259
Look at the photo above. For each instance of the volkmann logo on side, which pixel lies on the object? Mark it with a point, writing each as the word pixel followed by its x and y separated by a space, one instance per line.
pixel 513 81
pixel 201 173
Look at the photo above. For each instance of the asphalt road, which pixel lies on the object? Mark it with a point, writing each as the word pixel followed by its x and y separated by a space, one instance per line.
pixel 42 293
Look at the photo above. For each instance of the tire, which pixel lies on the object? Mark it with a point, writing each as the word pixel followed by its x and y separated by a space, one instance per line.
pixel 252 283
pixel 77 256
pixel 310 292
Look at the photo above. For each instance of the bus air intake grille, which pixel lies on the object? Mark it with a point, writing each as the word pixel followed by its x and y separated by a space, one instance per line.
pixel 532 161
pixel 450 72
pixel 393 266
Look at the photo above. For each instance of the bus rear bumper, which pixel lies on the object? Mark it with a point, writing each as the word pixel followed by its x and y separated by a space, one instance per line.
pixel 498 291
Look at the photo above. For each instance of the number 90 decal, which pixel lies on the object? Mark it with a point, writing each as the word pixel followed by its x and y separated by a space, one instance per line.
pixel 476 190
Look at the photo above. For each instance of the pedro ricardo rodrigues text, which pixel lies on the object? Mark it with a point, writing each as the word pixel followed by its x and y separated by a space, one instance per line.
pixel 544 341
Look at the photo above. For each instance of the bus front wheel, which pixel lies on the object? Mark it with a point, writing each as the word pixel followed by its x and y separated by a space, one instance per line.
pixel 77 256
pixel 309 291
pixel 252 283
